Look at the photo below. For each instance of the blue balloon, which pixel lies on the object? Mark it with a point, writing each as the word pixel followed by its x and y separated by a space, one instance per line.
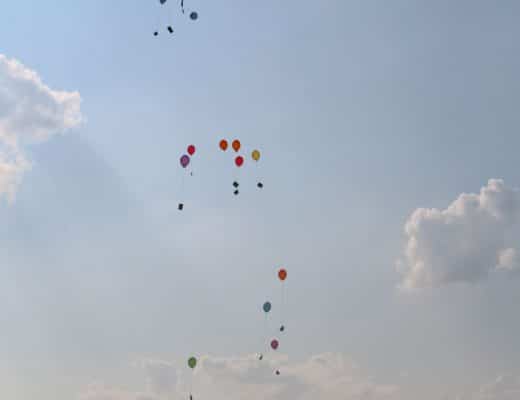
pixel 267 307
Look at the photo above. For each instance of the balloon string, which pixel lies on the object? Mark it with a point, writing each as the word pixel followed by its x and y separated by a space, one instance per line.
pixel 191 385
pixel 158 19
pixel 264 338
pixel 170 15
pixel 282 304
pixel 181 186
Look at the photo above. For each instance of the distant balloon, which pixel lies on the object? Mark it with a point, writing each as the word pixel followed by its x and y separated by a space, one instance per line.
pixel 162 1
pixel 239 161
pixel 223 145
pixel 274 344
pixel 236 145
pixel 185 160
pixel 191 149
pixel 192 362
pixel 282 274
pixel 255 155
pixel 267 307
pixel 194 16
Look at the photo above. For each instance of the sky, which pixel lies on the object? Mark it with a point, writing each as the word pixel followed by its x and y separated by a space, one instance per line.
pixel 389 141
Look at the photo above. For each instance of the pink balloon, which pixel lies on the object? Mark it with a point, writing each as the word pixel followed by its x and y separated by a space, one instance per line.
pixel 274 344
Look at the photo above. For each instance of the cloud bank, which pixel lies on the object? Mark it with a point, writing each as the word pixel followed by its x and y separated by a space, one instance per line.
pixel 476 235
pixel 30 112
pixel 234 378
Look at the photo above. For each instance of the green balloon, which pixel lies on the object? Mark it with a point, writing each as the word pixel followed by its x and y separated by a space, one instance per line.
pixel 192 362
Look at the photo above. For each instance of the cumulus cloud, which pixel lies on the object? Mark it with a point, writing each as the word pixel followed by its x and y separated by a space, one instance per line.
pixel 476 235
pixel 504 387
pixel 234 378
pixel 30 112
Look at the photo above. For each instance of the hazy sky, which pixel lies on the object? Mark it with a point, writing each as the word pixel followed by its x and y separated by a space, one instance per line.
pixel 374 119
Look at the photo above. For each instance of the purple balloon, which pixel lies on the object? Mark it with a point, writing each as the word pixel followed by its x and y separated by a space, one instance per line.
pixel 185 160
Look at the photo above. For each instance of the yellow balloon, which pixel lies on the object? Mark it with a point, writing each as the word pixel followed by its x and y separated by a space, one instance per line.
pixel 256 155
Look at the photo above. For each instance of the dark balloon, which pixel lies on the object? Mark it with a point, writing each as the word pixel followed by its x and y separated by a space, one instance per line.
pixel 185 160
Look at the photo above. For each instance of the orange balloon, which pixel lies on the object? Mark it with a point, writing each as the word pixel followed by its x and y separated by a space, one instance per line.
pixel 282 274
pixel 223 144
pixel 236 145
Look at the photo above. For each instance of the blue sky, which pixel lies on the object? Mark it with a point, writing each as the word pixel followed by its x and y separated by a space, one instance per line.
pixel 364 112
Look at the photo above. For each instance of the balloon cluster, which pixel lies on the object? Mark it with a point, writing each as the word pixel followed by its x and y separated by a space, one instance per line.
pixel 239 160
pixel 185 161
pixel 193 16
pixel 267 307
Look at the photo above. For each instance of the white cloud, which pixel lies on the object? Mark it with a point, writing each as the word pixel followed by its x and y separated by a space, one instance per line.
pixel 30 112
pixel 475 235
pixel 504 387
pixel 234 378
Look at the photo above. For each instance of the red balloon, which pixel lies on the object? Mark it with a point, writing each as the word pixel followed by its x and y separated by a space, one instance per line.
pixel 282 274
pixel 239 161
pixel 274 344
pixel 191 149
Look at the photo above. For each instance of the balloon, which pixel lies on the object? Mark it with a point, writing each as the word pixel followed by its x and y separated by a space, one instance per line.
pixel 255 155
pixel 162 1
pixel 191 149
pixel 194 16
pixel 239 161
pixel 267 307
pixel 185 160
pixel 274 344
pixel 192 362
pixel 282 274
pixel 223 144
pixel 236 144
